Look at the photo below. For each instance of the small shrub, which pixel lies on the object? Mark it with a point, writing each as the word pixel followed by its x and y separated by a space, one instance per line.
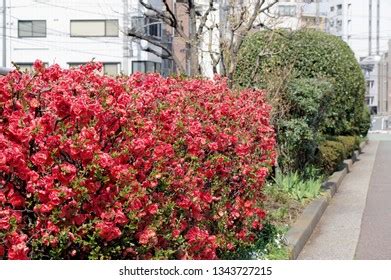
pixel 135 167
pixel 349 142
pixel 330 156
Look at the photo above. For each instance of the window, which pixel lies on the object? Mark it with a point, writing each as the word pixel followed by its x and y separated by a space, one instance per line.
pixel 146 66
pixel 339 25
pixel 339 9
pixel 94 28
pixel 109 68
pixel 147 26
pixel 287 10
pixel 331 9
pixel 31 28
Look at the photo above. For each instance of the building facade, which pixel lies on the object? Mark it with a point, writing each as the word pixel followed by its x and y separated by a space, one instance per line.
pixel 363 24
pixel 371 69
pixel 74 32
pixel 297 14
pixel 384 107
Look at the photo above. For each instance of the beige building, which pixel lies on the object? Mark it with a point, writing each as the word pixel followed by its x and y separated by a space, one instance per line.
pixel 384 100
pixel 297 14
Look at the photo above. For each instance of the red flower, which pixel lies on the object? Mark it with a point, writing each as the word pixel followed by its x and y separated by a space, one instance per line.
pixel 2 251
pixel 120 218
pixel 66 172
pixel 108 231
pixel 105 160
pixel 148 235
pixel 63 107
pixel 39 66
pixel 18 252
pixel 16 200
pixel 2 197
pixel 152 209
pixel 4 223
pixel 40 158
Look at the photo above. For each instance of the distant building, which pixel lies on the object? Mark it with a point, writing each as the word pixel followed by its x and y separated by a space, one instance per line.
pixel 363 24
pixel 71 33
pixel 385 82
pixel 370 67
pixel 297 14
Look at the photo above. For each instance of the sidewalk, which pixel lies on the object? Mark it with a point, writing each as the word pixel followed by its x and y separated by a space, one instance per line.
pixel 357 223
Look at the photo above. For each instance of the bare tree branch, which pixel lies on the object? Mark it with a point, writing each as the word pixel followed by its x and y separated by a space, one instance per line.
pixel 168 53
pixel 204 19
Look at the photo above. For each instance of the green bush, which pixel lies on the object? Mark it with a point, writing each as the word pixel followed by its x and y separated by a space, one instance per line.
pixel 269 57
pixel 330 156
pixel 365 123
pixel 349 142
pixel 299 127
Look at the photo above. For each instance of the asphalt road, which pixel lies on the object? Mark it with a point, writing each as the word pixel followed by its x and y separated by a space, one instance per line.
pixel 375 237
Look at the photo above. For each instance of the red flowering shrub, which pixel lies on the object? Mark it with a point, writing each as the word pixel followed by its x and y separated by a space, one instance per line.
pixel 129 168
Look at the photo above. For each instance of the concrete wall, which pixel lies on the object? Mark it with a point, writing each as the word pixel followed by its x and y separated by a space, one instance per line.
pixel 59 47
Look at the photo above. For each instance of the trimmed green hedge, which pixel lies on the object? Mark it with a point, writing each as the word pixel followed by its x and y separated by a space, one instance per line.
pixel 330 156
pixel 267 58
pixel 333 151
pixel 349 142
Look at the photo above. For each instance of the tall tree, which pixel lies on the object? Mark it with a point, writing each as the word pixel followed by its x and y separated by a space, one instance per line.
pixel 236 19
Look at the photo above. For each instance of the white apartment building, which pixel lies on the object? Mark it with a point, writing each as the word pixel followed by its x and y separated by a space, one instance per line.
pixel 370 66
pixel 364 24
pixel 296 14
pixel 74 32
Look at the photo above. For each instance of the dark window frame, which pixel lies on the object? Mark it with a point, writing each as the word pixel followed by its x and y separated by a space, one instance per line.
pixel 155 64
pixel 32 31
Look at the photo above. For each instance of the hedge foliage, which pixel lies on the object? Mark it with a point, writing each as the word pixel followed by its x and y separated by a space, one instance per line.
pixel 136 167
pixel 267 56
pixel 333 151
pixel 299 128
pixel 315 86
pixel 331 154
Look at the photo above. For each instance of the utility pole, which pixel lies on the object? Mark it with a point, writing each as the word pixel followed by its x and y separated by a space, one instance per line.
pixel 4 33
pixel 126 40
pixel 317 14
pixel 370 29
pixel 378 29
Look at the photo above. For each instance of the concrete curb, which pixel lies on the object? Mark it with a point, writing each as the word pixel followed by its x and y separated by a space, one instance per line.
pixel 301 231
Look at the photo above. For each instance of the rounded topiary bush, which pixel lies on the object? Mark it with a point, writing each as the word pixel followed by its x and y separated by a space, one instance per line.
pixel 268 58
pixel 140 167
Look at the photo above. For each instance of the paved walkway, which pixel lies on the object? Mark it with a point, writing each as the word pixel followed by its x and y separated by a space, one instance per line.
pixel 357 223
